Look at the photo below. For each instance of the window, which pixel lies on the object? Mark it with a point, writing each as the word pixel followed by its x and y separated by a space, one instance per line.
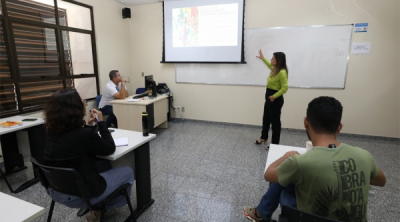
pixel 44 48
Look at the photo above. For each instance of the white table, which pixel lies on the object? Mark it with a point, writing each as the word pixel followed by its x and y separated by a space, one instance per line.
pixel 25 124
pixel 135 140
pixel 136 155
pixel 15 210
pixel 129 114
pixel 13 160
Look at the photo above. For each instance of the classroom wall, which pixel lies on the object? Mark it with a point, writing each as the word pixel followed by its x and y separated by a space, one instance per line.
pixel 112 39
pixel 371 98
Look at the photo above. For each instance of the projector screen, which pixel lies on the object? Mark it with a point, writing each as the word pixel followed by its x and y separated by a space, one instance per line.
pixel 206 31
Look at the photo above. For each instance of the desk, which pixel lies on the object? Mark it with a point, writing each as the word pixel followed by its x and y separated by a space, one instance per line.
pixel 15 210
pixel 139 160
pixel 129 114
pixel 13 160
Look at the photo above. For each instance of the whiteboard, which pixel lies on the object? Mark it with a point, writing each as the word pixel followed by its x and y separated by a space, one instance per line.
pixel 317 57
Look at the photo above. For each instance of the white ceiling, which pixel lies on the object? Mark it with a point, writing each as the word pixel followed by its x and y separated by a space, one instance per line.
pixel 138 2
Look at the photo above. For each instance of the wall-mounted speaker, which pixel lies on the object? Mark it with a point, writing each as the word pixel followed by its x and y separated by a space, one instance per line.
pixel 126 13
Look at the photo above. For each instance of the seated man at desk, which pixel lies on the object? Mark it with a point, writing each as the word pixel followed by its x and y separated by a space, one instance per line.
pixel 332 180
pixel 115 89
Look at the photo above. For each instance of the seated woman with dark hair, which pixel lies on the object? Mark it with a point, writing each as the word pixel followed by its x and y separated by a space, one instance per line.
pixel 72 144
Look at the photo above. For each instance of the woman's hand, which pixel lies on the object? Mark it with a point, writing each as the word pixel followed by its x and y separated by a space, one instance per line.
pixel 271 98
pixel 98 113
pixel 261 56
pixel 92 117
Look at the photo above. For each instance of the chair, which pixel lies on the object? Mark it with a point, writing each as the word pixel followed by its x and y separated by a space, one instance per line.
pixel 98 98
pixel 140 90
pixel 68 181
pixel 289 214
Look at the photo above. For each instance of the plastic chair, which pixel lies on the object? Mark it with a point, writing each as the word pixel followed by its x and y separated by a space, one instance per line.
pixel 290 214
pixel 98 98
pixel 140 90
pixel 68 181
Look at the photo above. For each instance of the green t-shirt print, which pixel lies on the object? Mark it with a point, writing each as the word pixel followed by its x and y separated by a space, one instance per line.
pixel 332 182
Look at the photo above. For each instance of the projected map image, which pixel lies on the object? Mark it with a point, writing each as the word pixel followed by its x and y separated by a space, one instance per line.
pixel 214 25
pixel 185 27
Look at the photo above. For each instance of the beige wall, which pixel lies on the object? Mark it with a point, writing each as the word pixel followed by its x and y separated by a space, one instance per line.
pixel 371 98
pixel 112 39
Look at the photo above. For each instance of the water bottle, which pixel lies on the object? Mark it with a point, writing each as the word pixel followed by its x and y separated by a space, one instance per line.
pixel 145 123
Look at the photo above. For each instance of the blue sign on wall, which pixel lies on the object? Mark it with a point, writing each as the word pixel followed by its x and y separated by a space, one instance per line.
pixel 361 27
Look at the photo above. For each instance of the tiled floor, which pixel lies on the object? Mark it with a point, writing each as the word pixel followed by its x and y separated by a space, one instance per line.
pixel 205 171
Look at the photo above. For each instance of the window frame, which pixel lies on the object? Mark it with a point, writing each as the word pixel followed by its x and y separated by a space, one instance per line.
pixel 11 53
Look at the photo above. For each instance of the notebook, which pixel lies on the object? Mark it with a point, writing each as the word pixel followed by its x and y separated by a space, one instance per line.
pixel 123 141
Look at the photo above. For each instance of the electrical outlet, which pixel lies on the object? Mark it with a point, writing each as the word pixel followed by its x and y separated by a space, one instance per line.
pixel 142 74
pixel 183 109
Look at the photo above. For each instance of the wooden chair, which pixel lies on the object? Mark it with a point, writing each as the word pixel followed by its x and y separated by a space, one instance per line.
pixel 68 181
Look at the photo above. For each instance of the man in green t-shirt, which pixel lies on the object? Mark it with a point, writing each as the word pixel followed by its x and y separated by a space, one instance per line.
pixel 332 180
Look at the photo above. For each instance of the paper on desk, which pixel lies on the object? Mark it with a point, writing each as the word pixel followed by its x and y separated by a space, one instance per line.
pixel 133 100
pixel 123 141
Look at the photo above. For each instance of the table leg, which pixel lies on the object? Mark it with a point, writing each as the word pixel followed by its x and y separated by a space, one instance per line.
pixel 163 125
pixel 13 160
pixel 139 160
pixel 143 178
pixel 36 136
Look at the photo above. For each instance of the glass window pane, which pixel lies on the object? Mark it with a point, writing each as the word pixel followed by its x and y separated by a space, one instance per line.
pixel 4 64
pixel 36 51
pixel 34 94
pixel 86 87
pixel 75 16
pixel 8 101
pixel 78 51
pixel 37 10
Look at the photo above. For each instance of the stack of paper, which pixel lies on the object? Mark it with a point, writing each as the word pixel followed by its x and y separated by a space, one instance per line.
pixel 133 100
pixel 121 141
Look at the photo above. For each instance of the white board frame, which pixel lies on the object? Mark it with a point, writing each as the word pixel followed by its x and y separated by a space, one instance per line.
pixel 325 49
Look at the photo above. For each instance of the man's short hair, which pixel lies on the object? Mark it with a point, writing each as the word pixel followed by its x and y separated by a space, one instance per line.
pixel 113 74
pixel 324 114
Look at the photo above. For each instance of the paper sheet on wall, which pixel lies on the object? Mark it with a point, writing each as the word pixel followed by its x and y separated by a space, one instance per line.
pixel 121 141
pixel 361 48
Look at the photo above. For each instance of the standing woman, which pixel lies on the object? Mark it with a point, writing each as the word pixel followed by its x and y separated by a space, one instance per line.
pixel 277 85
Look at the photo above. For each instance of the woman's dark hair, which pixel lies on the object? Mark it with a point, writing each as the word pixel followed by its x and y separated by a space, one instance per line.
pixel 280 58
pixel 324 114
pixel 64 111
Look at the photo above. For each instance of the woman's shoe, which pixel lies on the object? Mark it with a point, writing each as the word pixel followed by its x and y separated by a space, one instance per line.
pixel 267 148
pixel 260 142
